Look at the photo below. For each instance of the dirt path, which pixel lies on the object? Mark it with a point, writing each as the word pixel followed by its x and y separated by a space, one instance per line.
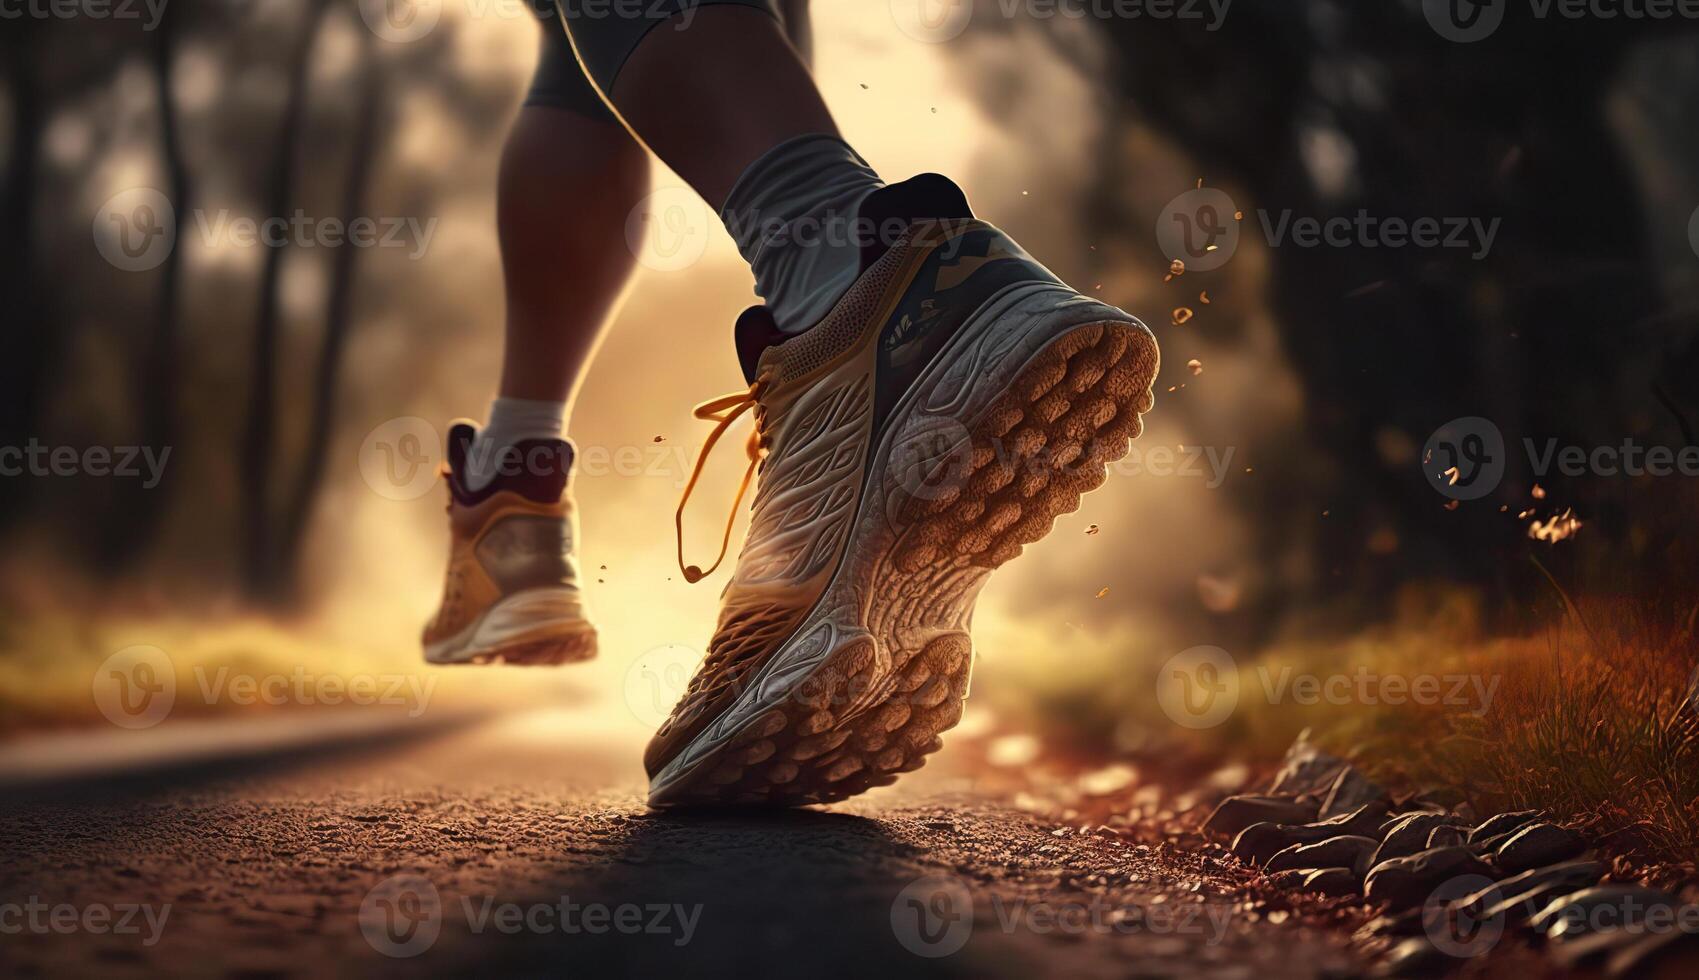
pixel 524 846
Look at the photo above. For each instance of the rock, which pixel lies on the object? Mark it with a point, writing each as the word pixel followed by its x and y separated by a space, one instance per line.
pixel 1351 790
pixel 1538 845
pixel 1397 925
pixel 1504 823
pixel 1334 883
pixel 1413 958
pixel 1406 882
pixel 1517 899
pixel 1307 769
pixel 1601 907
pixel 1490 844
pixel 1351 853
pixel 1238 812
pixel 1258 843
pixel 1445 835
pixel 1659 956
pixel 1571 874
pixel 1594 947
pixel 1361 822
pixel 1407 834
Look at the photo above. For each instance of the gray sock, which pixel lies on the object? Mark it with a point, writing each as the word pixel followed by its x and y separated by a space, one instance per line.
pixel 792 214
pixel 512 421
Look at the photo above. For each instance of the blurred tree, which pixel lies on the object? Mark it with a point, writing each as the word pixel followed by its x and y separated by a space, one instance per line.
pixel 1330 109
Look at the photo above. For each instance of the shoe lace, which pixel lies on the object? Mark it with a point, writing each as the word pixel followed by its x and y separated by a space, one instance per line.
pixel 723 411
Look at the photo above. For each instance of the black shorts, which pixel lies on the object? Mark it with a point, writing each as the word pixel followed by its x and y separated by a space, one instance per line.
pixel 560 82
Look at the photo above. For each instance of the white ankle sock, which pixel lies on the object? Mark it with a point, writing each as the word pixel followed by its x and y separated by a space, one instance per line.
pixel 792 214
pixel 512 420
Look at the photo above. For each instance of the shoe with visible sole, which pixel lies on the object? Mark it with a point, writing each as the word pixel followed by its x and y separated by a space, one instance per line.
pixel 512 592
pixel 956 400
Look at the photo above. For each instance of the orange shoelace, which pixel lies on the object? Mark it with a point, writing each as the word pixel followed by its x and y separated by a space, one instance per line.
pixel 722 411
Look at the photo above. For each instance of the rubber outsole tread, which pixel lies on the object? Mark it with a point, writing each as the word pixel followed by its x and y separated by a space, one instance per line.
pixel 860 719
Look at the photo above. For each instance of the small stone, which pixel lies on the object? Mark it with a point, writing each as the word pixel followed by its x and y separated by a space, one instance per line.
pixel 1624 906
pixel 1333 883
pixel 1238 812
pixel 1408 834
pixel 1307 769
pixel 1351 853
pixel 1504 823
pixel 1396 925
pixel 1413 958
pixel 1406 882
pixel 1517 898
pixel 1538 845
pixel 1364 821
pixel 1445 835
pixel 1593 947
pixel 1351 790
pixel 1661 955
